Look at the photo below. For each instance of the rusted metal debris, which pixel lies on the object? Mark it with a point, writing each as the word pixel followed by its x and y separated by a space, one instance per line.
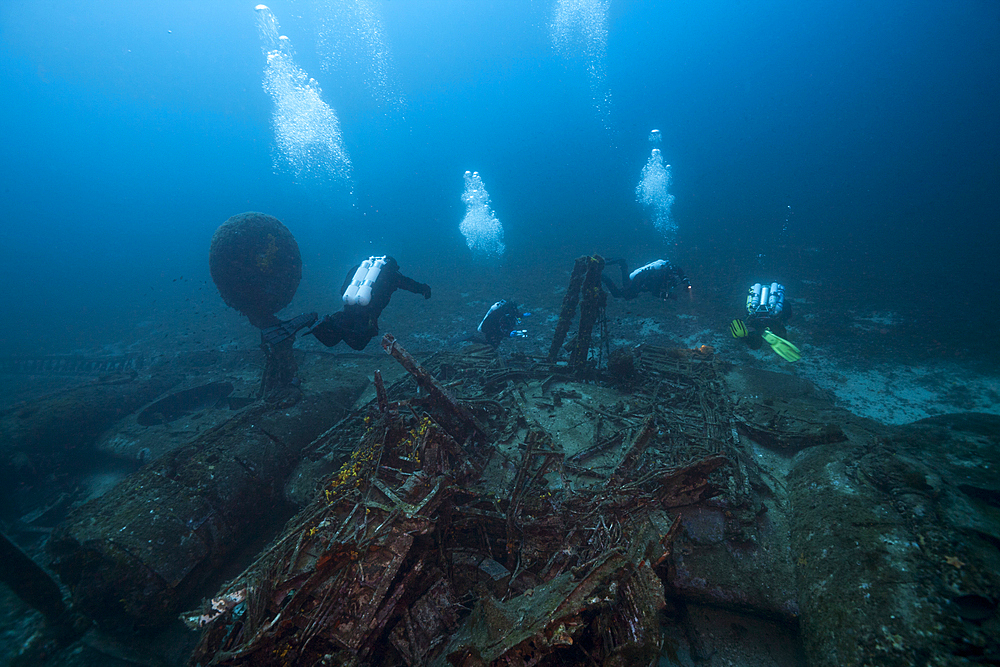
pixel 568 309
pixel 594 300
pixel 464 423
pixel 435 545
pixel 585 286
pixel 133 556
pixel 381 396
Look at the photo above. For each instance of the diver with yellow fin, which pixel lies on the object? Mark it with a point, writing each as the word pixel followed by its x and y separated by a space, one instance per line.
pixel 767 313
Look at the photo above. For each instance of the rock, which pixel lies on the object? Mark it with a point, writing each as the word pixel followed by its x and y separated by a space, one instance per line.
pixel 896 549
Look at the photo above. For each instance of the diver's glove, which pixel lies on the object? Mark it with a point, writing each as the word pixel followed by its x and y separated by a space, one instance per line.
pixel 781 347
pixel 426 291
pixel 738 329
pixel 523 333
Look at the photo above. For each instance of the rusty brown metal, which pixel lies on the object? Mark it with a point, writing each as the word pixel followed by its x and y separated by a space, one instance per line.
pixel 133 556
pixel 347 567
pixel 568 310
pixel 594 299
pixel 437 543
pixel 635 450
pixel 380 393
pixel 438 394
pixel 584 289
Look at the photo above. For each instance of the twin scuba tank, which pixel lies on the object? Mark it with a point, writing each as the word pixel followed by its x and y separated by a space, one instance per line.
pixel 766 300
pixel 359 292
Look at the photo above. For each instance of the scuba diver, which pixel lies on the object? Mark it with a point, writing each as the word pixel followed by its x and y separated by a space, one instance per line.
pixel 366 292
pixel 498 324
pixel 767 313
pixel 659 278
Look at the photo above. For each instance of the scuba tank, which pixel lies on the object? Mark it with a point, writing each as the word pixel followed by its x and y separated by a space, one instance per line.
pixel 351 293
pixel 364 279
pixel 652 265
pixel 365 291
pixel 776 300
pixel 496 306
pixel 765 301
pixel 507 315
pixel 500 321
pixel 753 298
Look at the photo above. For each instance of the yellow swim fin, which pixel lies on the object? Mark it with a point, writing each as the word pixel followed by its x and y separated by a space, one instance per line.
pixel 782 347
pixel 738 329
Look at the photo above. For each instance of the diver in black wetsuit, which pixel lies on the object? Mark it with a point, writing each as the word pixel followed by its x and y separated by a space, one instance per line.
pixel 659 278
pixel 499 324
pixel 366 294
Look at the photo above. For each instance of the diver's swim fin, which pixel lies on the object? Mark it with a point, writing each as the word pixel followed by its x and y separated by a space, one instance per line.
pixel 287 329
pixel 738 329
pixel 781 347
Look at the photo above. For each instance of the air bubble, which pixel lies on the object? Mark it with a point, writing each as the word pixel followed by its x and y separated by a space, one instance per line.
pixel 482 230
pixel 308 140
pixel 653 193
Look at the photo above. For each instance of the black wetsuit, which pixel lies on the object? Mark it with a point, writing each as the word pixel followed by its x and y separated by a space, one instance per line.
pixel 758 322
pixel 356 325
pixel 659 278
pixel 499 322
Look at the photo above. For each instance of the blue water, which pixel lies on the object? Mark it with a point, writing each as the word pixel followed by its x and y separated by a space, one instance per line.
pixel 131 130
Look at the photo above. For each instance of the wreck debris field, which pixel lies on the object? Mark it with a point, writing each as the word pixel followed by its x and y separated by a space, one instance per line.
pixel 499 333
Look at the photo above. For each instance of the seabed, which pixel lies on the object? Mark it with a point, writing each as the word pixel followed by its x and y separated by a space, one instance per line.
pixel 671 498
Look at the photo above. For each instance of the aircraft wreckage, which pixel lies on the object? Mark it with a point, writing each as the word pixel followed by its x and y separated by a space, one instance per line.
pixel 651 505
